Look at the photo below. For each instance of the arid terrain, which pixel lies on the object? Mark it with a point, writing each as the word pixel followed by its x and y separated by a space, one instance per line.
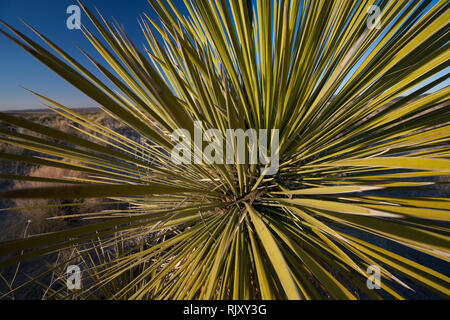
pixel 38 217
pixel 17 218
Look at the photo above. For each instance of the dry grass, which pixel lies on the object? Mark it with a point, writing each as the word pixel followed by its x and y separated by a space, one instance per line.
pixel 45 209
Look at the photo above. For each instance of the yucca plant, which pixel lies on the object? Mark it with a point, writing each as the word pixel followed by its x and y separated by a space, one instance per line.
pixel 358 127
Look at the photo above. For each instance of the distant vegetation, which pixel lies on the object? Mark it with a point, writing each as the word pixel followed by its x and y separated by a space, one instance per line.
pixel 14 222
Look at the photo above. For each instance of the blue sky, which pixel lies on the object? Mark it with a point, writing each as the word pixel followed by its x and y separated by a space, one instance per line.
pixel 18 68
